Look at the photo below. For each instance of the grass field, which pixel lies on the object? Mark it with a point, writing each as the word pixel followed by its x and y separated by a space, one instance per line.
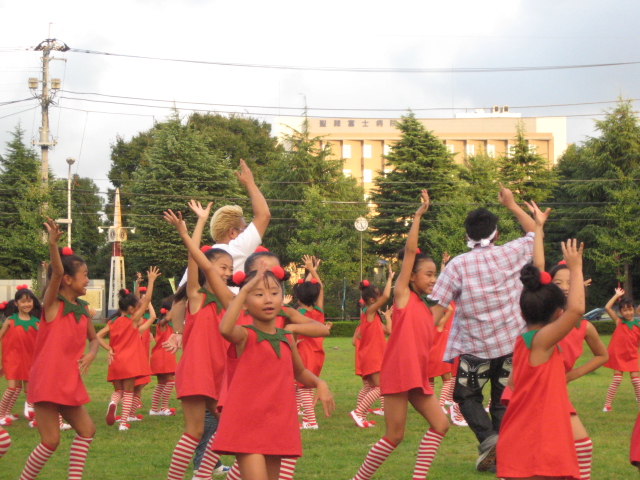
pixel 336 450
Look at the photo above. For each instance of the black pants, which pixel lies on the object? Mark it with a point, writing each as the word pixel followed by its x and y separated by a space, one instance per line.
pixel 473 374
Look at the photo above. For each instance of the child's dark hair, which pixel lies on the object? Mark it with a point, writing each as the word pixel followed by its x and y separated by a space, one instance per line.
pixel 211 254
pixel 480 223
pixel 625 302
pixel 539 301
pixel 25 292
pixel 10 308
pixel 247 278
pixel 556 268
pixel 420 257
pixel 126 299
pixel 368 292
pixel 70 263
pixel 249 264
pixel 165 305
pixel 307 293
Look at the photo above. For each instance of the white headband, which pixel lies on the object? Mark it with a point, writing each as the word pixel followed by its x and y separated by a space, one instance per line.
pixel 485 242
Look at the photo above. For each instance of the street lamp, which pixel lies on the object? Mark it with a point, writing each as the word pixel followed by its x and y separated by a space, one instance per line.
pixel 68 220
pixel 361 225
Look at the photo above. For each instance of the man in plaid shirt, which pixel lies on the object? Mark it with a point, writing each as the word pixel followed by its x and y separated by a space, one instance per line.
pixel 485 286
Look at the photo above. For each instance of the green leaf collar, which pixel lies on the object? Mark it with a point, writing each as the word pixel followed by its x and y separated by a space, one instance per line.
pixel 210 298
pixel 78 309
pixel 26 324
pixel 273 338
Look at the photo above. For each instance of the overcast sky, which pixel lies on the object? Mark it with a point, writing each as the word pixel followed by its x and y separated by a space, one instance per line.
pixel 343 34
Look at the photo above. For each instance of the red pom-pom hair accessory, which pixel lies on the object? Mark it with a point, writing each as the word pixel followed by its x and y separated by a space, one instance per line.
pixel 261 249
pixel 314 281
pixel 365 283
pixel 126 291
pixel 361 301
pixel 562 262
pixel 3 305
pixel 205 248
pixel 66 251
pixel 143 289
pixel 278 271
pixel 163 311
pixel 300 281
pixel 22 287
pixel 239 277
pixel 417 251
pixel 545 278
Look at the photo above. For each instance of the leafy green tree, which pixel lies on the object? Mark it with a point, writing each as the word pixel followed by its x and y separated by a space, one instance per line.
pixel 289 177
pixel 177 167
pixel 418 160
pixel 526 172
pixel 21 198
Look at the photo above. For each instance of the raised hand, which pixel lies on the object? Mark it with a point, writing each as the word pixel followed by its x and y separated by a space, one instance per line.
pixel 245 177
pixel 539 216
pixel 153 273
pixel 619 292
pixel 424 206
pixel 572 253
pixel 199 210
pixel 53 230
pixel 307 261
pixel 505 196
pixel 175 220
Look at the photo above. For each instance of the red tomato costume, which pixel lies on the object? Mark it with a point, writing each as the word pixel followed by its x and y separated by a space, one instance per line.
pixel 18 344
pixel 162 362
pixel 571 345
pixel 536 436
pixel 310 348
pixel 146 342
pixel 262 388
pixel 372 344
pixel 634 454
pixel 55 376
pixel 623 347
pixel 130 359
pixel 436 366
pixel 406 359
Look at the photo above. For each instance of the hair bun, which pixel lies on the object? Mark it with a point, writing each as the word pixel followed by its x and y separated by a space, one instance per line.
pixel 530 277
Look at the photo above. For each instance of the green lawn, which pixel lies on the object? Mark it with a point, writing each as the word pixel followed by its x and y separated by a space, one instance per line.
pixel 336 450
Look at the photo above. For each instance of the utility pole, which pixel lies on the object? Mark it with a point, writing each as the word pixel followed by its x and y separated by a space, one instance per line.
pixel 49 89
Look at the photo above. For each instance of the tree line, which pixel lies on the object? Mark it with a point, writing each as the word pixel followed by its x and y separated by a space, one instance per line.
pixel 593 190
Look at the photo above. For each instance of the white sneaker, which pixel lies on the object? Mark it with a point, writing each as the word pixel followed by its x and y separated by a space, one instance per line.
pixel 28 413
pixel 456 416
pixel 168 412
pixel 378 411
pixel 13 417
pixel 32 424
pixel 221 469
pixel 156 412
pixel 309 426
pixel 123 427
pixel 6 421
pixel 64 427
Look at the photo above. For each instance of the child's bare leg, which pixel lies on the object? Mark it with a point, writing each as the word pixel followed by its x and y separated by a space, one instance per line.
pixel 253 466
pixel 48 423
pixel 193 408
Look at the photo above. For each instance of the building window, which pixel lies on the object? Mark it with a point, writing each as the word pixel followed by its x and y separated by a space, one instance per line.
pixel 346 172
pixel 366 151
pixel 351 123
pixel 491 150
pixel 379 123
pixel 366 175
pixel 323 123
pixel 533 149
pixel 471 150
pixel 346 151
pixel 336 123
pixel 385 149
pixel 511 150
pixel 450 148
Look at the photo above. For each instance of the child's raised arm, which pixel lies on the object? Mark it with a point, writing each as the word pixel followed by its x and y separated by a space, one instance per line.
pixel 228 329
pixel 609 306
pixel 152 274
pixel 152 318
pixel 50 301
pixel 261 213
pixel 600 354
pixel 550 334
pixel 382 299
pixel 505 197
pixel 312 264
pixel 539 218
pixel 401 291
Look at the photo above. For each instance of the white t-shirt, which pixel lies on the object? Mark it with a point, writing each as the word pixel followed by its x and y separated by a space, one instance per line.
pixel 239 248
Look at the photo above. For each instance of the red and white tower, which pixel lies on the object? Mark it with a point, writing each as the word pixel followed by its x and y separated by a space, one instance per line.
pixel 117 235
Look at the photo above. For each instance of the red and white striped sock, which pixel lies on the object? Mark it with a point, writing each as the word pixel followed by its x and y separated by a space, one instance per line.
pixel 166 394
pixel 116 396
pixel 309 413
pixel 209 460
pixel 234 472
pixel 376 456
pixel 299 398
pixel 60 420
pixel 635 381
pixel 287 468
pixel 432 383
pixel 613 388
pixel 6 402
pixel 5 441
pixel 366 387
pixel 584 449
pixel 382 402
pixel 156 397
pixel 182 456
pixel 36 461
pixel 137 403
pixel 426 452
pixel 78 456
pixel 363 407
pixel 127 407
pixel 446 394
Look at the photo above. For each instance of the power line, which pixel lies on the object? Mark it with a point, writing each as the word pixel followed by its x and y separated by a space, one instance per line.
pixel 363 69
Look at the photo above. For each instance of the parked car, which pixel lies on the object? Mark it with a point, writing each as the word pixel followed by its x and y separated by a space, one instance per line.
pixel 596 314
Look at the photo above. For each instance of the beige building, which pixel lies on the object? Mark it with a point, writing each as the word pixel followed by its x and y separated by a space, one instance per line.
pixel 363 142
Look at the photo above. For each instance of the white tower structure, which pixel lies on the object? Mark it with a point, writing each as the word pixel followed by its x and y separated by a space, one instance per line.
pixel 117 235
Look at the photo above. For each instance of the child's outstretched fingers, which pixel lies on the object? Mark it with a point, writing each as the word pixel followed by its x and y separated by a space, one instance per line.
pixel 424 206
pixel 325 397
pixel 53 230
pixel 619 292
pixel 287 299
pixel 153 273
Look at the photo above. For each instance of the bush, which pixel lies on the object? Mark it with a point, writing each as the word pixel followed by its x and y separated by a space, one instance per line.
pixel 344 329
pixel 604 327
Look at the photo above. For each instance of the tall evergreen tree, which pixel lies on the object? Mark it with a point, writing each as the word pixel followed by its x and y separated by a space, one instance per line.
pixel 418 160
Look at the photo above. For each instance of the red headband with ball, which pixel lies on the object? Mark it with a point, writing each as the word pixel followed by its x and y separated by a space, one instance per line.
pixel 278 271
pixel 300 281
pixel 205 248
pixel 239 277
pixel 545 278
pixel 66 251
pixel 365 283
pixel 143 289
pixel 261 249
pixel 163 311
pixel 22 287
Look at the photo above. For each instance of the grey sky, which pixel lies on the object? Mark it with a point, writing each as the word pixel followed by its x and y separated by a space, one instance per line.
pixel 346 34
